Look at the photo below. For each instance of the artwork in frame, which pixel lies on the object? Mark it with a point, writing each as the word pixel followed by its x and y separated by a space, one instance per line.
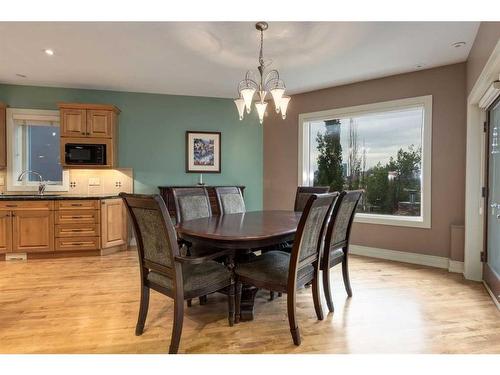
pixel 203 152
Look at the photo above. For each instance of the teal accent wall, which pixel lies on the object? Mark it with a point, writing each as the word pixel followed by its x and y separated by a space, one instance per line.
pixel 152 134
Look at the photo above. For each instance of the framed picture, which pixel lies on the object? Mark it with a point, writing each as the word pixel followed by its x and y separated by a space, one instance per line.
pixel 203 153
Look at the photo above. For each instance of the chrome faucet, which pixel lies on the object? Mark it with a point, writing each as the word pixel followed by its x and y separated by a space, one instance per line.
pixel 41 185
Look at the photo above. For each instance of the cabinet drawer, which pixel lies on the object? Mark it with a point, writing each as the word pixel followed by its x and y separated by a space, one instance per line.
pixel 77 230
pixel 78 243
pixel 77 204
pixel 77 216
pixel 27 205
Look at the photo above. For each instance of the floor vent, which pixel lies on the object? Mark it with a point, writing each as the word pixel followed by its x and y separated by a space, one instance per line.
pixel 16 256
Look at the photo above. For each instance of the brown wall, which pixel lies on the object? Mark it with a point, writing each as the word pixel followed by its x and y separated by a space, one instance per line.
pixel 486 39
pixel 447 86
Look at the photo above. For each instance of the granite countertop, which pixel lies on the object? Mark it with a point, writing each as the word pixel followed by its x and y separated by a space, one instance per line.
pixel 33 197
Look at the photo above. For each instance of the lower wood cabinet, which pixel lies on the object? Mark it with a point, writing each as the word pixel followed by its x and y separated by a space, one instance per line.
pixel 32 231
pixel 65 225
pixel 113 223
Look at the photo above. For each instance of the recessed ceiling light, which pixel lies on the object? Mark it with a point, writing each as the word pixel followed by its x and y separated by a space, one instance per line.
pixel 49 51
pixel 458 44
pixel 20 75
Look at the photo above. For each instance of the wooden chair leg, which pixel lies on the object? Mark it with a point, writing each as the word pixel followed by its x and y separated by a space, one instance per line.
pixel 316 292
pixel 237 301
pixel 203 300
pixel 327 288
pixel 280 294
pixel 177 327
pixel 189 302
pixel 345 275
pixel 271 295
pixel 143 310
pixel 292 321
pixel 230 300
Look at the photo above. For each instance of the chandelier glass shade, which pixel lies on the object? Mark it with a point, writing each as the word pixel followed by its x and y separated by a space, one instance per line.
pixel 268 82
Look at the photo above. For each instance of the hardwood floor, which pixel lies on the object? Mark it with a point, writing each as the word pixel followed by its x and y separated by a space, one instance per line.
pixel 89 305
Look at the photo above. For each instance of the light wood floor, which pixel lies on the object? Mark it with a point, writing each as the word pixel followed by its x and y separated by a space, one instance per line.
pixel 89 305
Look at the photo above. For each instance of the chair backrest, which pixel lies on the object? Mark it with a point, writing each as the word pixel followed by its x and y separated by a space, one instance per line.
pixel 155 234
pixel 339 228
pixel 303 194
pixel 230 200
pixel 308 240
pixel 191 203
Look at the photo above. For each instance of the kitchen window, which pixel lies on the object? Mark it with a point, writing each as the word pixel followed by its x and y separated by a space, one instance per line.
pixel 382 148
pixel 34 144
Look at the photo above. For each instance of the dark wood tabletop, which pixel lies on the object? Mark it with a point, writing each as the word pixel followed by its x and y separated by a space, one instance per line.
pixel 247 230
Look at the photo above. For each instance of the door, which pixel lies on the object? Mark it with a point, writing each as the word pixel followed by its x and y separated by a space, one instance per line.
pixel 5 232
pixel 73 122
pixel 32 231
pixel 491 269
pixel 113 223
pixel 99 123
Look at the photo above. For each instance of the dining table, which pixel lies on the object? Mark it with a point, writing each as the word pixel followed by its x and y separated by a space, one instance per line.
pixel 242 234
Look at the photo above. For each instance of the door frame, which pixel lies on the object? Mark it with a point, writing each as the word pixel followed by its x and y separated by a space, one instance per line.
pixel 475 169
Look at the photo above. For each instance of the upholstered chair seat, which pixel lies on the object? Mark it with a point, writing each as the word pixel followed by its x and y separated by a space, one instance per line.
pixel 272 267
pixel 195 277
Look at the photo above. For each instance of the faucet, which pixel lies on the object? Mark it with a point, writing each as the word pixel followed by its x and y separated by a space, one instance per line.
pixel 41 185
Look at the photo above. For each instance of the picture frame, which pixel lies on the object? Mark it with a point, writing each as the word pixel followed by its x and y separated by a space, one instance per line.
pixel 203 152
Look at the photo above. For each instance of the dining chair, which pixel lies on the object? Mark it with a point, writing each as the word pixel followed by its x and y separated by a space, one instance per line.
pixel 284 272
pixel 230 200
pixel 192 203
pixel 336 245
pixel 165 270
pixel 304 192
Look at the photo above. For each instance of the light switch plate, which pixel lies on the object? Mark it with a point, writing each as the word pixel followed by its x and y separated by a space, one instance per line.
pixel 94 181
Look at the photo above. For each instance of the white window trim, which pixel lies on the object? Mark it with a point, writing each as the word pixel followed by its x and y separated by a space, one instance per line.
pixel 12 113
pixel 423 221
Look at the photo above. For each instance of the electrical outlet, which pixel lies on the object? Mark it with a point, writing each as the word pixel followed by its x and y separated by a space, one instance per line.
pixel 118 184
pixel 94 181
pixel 72 184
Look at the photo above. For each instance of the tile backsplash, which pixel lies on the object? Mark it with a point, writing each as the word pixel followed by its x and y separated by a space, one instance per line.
pixel 89 182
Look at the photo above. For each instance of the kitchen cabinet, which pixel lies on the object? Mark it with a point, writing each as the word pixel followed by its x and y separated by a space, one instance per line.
pixel 88 120
pixel 5 231
pixel 32 231
pixel 113 223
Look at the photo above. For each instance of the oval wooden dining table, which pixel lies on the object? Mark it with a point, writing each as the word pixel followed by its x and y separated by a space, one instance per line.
pixel 241 233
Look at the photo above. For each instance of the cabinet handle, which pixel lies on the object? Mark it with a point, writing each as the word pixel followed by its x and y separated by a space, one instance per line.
pixel 76 204
pixel 77 217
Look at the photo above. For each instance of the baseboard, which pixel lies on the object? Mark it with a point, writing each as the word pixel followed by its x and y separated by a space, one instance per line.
pixel 493 297
pixel 456 266
pixel 405 257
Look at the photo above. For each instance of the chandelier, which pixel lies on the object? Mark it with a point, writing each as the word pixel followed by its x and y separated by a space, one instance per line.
pixel 269 82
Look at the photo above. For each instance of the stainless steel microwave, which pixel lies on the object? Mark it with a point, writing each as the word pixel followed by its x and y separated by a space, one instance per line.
pixel 85 154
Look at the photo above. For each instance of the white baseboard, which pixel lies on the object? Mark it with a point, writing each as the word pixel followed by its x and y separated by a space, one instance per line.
pixel 456 266
pixel 493 297
pixel 405 257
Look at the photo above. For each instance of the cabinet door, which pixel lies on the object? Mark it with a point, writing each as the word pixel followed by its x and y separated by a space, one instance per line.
pixel 32 231
pixel 113 223
pixel 99 123
pixel 5 232
pixel 73 122
pixel 3 135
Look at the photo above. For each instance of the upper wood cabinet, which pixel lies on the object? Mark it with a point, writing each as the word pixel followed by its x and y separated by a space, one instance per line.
pixel 88 120
pixel 3 137
pixel 90 124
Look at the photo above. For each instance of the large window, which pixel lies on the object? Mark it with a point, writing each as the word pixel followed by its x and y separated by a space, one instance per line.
pixel 383 149
pixel 34 144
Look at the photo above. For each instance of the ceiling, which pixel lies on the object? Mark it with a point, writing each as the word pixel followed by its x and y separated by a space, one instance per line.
pixel 209 58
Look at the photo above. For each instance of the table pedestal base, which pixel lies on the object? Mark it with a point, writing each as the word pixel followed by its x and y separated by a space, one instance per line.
pixel 247 302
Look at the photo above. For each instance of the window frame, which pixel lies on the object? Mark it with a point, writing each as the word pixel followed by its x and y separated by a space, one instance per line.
pixel 422 221
pixel 12 183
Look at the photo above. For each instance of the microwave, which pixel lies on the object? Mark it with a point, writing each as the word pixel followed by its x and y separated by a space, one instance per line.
pixel 84 154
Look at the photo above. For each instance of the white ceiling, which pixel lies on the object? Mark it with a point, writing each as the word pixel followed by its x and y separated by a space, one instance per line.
pixel 209 58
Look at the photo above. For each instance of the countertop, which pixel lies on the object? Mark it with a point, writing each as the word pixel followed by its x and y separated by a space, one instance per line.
pixel 28 197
